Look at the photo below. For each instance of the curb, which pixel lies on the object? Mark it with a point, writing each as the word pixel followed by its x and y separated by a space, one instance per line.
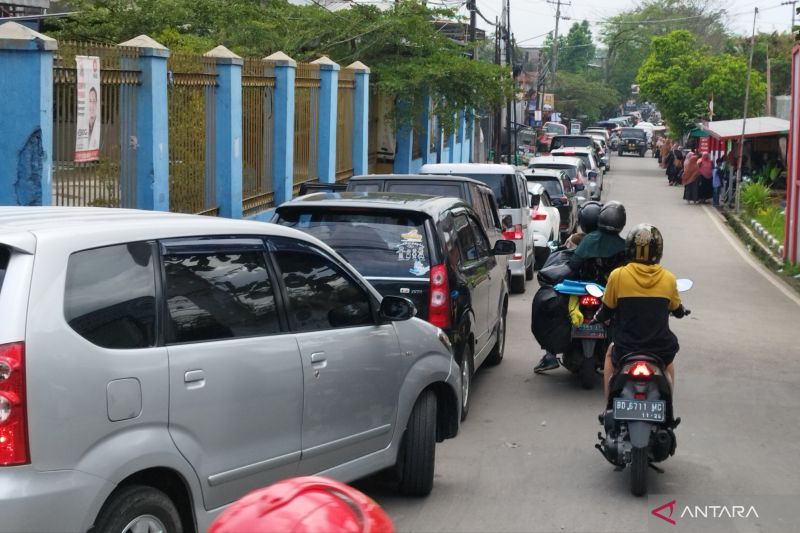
pixel 754 244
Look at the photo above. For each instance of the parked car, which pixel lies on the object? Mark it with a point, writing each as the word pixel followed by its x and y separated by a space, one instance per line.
pixel 632 140
pixel 432 250
pixel 593 170
pixel 561 195
pixel 546 221
pixel 472 192
pixel 550 129
pixel 157 366
pixel 598 131
pixel 573 166
pixel 602 153
pixel 511 193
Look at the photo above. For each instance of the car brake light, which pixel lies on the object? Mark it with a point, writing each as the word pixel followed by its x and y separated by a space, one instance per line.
pixel 513 234
pixel 439 297
pixel 536 215
pixel 640 370
pixel 589 301
pixel 13 416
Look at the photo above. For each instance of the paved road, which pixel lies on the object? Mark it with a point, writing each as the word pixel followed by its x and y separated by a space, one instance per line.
pixel 524 459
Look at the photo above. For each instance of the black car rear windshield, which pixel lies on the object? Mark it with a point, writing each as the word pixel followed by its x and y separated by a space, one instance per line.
pixel 551 185
pixel 4 256
pixel 570 142
pixel 571 170
pixel 376 243
pixel 636 133
pixel 503 186
pixel 583 157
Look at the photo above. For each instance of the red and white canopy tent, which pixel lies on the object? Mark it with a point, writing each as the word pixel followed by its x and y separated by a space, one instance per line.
pixel 722 131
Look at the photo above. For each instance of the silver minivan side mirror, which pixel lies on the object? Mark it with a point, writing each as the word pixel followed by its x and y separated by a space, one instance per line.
pixel 397 308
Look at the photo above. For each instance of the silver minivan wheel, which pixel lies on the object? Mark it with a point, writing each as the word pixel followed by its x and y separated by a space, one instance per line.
pixel 145 524
pixel 467 372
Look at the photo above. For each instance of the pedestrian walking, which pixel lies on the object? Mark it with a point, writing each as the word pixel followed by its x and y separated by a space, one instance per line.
pixel 705 167
pixel 664 150
pixel 716 180
pixel 689 178
pixel 675 166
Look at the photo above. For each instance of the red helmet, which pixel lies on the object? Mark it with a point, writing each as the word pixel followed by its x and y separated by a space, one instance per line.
pixel 304 505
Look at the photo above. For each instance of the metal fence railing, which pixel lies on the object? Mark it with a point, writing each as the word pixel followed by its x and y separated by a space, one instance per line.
pixel 306 123
pixel 190 96
pixel 110 181
pixel 258 99
pixel 344 125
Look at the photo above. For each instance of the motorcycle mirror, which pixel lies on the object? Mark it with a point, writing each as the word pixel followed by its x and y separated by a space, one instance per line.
pixel 684 284
pixel 594 290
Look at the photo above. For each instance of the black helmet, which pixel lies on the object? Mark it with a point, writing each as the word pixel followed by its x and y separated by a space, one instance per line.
pixel 587 216
pixel 612 217
pixel 644 244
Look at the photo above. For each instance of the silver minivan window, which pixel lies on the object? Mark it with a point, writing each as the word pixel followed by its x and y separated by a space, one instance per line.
pixel 110 295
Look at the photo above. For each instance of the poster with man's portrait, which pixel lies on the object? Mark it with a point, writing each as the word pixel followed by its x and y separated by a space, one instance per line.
pixel 87 140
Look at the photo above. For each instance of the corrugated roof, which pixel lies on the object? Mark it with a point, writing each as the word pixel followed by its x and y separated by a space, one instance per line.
pixel 755 127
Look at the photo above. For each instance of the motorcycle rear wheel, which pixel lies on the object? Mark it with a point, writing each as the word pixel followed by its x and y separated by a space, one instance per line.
pixel 639 471
pixel 587 372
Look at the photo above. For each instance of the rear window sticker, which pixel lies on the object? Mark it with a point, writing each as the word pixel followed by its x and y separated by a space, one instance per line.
pixel 419 269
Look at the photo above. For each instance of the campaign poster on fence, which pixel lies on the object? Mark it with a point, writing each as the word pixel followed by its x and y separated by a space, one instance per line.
pixel 87 140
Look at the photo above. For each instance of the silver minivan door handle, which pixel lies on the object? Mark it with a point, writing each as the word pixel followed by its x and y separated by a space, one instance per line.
pixel 193 376
pixel 318 358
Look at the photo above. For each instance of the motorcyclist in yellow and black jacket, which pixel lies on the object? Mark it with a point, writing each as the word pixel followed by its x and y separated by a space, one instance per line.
pixel 640 297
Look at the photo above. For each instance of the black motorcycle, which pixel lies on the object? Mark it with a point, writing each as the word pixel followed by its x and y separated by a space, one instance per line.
pixel 587 349
pixel 639 421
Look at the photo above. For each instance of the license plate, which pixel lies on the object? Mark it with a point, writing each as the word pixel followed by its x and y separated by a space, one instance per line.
pixel 589 331
pixel 641 410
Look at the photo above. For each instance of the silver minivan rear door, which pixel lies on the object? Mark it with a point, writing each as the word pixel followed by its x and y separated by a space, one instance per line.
pixel 236 390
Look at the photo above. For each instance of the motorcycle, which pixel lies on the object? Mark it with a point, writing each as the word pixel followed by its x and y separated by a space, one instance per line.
pixel 587 349
pixel 639 421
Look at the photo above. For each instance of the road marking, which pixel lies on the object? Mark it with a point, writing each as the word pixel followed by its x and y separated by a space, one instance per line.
pixel 741 250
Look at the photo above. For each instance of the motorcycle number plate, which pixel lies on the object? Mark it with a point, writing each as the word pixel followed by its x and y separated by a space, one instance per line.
pixel 640 410
pixel 589 331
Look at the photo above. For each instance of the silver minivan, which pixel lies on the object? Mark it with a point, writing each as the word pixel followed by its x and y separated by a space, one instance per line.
pixel 155 367
pixel 510 190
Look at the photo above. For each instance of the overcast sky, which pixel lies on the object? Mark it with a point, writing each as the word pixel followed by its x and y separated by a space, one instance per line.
pixel 530 19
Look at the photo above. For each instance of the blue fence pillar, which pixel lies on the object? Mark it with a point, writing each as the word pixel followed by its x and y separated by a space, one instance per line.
pixel 458 155
pixel 469 136
pixel 326 131
pixel 360 118
pixel 26 123
pixel 283 127
pixel 228 132
pixel 152 125
pixel 424 135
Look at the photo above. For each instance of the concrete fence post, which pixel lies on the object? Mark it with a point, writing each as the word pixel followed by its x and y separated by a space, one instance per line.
pixel 360 118
pixel 424 135
pixel 283 127
pixel 228 135
pixel 326 130
pixel 452 138
pixel 152 125
pixel 469 136
pixel 458 155
pixel 26 123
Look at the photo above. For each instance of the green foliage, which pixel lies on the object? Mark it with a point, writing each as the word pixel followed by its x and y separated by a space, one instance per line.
pixel 773 220
pixel 407 56
pixel 627 35
pixel 754 196
pixel 681 76
pixel 577 96
pixel 575 49
pixel 775 46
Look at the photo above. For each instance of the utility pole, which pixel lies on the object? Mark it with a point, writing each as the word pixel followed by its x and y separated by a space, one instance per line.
pixel 791 3
pixel 744 118
pixel 497 126
pixel 554 60
pixel 507 27
pixel 471 5
pixel 768 106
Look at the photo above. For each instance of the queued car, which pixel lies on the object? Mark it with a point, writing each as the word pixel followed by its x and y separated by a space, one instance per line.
pixel 510 192
pixel 573 166
pixel 570 141
pixel 632 140
pixel 561 194
pixel 472 192
pixel 593 170
pixel 545 220
pixel 155 367
pixel 603 152
pixel 432 250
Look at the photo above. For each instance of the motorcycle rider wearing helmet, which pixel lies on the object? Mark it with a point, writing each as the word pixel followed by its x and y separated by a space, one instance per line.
pixel 640 297
pixel 600 251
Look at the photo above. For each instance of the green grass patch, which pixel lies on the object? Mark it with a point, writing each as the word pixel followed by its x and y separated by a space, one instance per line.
pixel 773 221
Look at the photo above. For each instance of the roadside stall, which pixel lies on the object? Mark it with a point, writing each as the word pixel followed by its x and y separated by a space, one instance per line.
pixel 765 140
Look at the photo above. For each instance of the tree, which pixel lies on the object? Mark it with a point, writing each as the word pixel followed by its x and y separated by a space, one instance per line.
pixel 627 35
pixel 409 59
pixel 681 76
pixel 577 50
pixel 576 96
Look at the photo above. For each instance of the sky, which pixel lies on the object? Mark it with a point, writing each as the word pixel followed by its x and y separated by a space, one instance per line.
pixel 531 20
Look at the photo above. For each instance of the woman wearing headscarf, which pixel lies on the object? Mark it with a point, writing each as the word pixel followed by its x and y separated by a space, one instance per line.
pixel 675 164
pixel 689 178
pixel 705 189
pixel 666 148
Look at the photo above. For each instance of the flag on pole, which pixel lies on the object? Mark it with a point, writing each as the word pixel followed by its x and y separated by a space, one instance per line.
pixel 711 108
